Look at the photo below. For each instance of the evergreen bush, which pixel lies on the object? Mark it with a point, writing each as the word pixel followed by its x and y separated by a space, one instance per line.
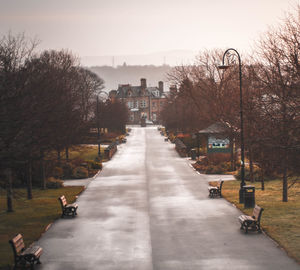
pixel 52 182
pixel 80 173
pixel 57 172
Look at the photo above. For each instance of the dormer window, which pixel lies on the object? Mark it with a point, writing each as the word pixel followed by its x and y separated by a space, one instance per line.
pixel 129 93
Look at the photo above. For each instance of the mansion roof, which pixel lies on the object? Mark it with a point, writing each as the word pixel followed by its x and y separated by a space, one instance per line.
pixel 127 91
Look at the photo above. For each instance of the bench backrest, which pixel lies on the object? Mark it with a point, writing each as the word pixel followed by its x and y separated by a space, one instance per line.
pixel 257 211
pixel 17 244
pixel 220 184
pixel 63 201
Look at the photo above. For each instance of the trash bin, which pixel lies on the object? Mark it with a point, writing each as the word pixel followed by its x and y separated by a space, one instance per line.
pixel 193 154
pixel 249 196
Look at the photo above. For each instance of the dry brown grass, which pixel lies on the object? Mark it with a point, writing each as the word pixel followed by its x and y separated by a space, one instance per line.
pixel 30 217
pixel 280 220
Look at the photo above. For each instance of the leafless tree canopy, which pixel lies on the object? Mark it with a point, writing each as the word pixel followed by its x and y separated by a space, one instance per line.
pixel 271 98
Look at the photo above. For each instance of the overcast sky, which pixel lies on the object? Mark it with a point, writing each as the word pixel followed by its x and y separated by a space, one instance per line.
pixel 124 27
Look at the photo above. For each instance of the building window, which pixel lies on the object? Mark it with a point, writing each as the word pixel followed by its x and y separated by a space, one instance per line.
pixel 130 104
pixel 143 104
pixel 154 116
pixel 153 104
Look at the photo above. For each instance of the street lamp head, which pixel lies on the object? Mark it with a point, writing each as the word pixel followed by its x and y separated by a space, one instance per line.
pixel 223 67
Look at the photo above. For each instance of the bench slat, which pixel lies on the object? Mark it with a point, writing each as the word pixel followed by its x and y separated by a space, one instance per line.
pixel 256 211
pixel 18 243
pixel 35 250
pixel 29 255
pixel 216 190
pixel 252 222
pixel 67 209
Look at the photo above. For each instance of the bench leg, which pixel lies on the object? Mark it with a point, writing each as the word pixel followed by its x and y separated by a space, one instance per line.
pixel 242 226
pixel 258 228
pixel 245 226
pixel 211 193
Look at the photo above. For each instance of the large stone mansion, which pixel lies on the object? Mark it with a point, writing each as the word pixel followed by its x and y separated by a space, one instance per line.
pixel 142 101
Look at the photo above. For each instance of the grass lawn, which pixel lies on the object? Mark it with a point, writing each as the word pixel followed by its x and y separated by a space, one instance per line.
pixel 85 152
pixel 280 220
pixel 30 217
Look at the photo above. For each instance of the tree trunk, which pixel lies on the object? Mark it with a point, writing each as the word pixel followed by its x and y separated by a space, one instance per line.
pixel 43 179
pixel 284 180
pixel 67 153
pixel 234 154
pixel 29 181
pixel 262 178
pixel 285 139
pixel 251 165
pixel 58 155
pixel 9 190
pixel 232 162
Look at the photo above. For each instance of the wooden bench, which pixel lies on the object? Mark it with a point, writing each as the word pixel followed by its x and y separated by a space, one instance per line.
pixel 251 222
pixel 24 255
pixel 67 209
pixel 216 191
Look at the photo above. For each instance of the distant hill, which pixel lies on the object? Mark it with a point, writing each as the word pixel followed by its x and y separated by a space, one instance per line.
pixel 131 75
pixel 171 58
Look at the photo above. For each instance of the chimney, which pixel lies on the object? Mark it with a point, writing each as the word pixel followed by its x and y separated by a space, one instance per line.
pixel 161 87
pixel 143 83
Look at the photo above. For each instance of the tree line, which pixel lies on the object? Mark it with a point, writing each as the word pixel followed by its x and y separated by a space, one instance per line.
pixel 47 103
pixel 271 99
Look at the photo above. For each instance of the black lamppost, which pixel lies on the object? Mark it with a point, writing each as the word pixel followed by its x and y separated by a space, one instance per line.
pixel 223 66
pixel 98 122
pixel 98 129
pixel 198 145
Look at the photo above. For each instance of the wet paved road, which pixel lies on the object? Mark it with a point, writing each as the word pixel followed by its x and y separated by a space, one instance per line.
pixel 149 210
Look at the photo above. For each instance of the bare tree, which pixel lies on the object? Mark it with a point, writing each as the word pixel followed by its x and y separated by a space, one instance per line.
pixel 14 52
pixel 279 75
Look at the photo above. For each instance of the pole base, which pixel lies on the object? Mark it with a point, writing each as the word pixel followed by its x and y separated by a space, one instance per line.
pixel 241 195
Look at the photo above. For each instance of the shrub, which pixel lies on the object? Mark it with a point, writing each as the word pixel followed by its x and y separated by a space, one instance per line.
pixel 172 137
pixel 67 170
pixel 256 174
pixel 94 165
pixel 226 166
pixel 203 161
pixel 97 159
pixel 76 162
pixel 204 167
pixel 80 172
pixel 54 183
pixel 217 158
pixel 57 172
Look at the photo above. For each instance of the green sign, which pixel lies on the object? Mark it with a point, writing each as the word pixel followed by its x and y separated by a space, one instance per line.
pixel 218 145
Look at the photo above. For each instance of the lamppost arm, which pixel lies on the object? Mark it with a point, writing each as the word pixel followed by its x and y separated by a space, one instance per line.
pixel 227 51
